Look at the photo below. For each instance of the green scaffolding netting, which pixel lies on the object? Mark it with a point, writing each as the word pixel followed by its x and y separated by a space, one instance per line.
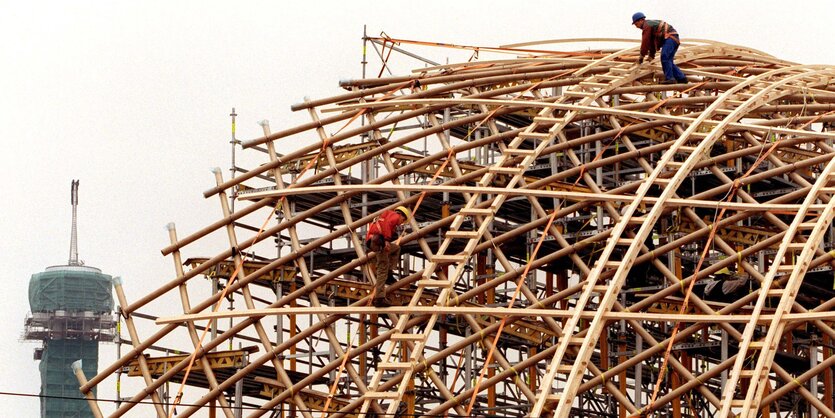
pixel 70 289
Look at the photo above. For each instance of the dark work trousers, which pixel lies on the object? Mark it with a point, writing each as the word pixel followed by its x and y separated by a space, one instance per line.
pixel 386 262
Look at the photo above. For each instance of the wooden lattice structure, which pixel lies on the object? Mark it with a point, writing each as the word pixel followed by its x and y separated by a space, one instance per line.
pixel 586 242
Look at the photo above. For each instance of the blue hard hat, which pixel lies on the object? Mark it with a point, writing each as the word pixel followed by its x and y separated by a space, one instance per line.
pixel 638 16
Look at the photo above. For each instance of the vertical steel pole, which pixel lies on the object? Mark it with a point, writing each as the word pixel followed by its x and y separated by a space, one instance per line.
pixel 234 167
pixel 365 167
pixel 723 355
pixel 639 342
pixel 239 391
pixel 813 382
pixel 118 342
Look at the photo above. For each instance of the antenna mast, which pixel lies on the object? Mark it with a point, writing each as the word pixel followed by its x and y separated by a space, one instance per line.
pixel 74 234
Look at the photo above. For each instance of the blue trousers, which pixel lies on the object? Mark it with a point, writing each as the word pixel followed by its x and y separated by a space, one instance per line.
pixel 668 52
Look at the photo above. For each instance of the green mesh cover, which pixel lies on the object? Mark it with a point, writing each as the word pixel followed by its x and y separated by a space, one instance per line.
pixel 59 386
pixel 71 289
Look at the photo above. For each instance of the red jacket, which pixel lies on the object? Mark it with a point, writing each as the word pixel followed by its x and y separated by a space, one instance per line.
pixel 655 32
pixel 386 225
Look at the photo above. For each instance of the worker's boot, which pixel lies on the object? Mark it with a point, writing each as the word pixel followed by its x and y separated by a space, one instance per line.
pixel 669 81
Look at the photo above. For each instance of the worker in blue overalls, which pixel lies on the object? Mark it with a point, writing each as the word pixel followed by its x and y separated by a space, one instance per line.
pixel 658 34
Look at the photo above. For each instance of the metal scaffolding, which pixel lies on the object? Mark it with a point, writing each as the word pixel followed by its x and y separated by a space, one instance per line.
pixel 585 242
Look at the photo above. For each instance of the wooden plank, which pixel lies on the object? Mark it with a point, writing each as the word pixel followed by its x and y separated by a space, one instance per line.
pixel 519 151
pixel 448 258
pixel 598 288
pixel 462 234
pixel 476 211
pixel 381 395
pixel 396 365
pixel 506 170
pixel 399 336
pixel 594 84
pixel 542 119
pixel 534 135
pixel 434 283
pixel 579 93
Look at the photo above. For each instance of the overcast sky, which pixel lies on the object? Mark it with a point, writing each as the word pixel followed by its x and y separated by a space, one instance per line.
pixel 133 98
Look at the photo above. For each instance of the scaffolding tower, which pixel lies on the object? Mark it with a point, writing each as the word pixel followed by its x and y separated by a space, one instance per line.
pixel 585 242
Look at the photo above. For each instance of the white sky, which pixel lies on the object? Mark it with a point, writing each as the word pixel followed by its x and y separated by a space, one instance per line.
pixel 133 98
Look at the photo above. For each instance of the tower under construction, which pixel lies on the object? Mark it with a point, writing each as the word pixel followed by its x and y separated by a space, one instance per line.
pixel 71 312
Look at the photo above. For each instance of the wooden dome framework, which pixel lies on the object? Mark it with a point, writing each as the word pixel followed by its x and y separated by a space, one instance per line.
pixel 586 242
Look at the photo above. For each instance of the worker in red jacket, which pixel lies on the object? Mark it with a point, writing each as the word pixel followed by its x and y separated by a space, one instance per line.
pixel 381 237
pixel 658 34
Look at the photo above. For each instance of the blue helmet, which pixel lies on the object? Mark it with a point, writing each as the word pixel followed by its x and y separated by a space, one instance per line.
pixel 638 16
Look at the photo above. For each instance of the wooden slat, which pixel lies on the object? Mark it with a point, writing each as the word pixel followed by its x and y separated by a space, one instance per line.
pixel 462 234
pixel 564 368
pixel 620 70
pixel 381 395
pixel 598 288
pixel 399 336
pixel 505 170
pixel 448 258
pixel 433 283
pixel 578 93
pixel 519 151
pixel 535 135
pixel 476 211
pixel 542 119
pixel 396 365
pixel 594 84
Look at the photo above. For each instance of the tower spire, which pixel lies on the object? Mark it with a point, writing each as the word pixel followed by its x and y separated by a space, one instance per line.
pixel 74 234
